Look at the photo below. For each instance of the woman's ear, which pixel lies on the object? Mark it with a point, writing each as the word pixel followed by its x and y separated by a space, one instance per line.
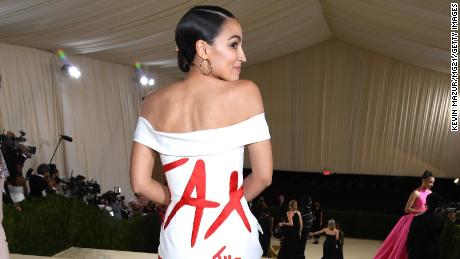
pixel 201 49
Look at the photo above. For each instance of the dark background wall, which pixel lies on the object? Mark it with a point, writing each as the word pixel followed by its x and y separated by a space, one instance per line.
pixel 387 194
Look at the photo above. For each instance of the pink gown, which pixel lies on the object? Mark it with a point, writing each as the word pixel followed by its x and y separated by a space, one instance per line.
pixel 394 246
pixel 208 217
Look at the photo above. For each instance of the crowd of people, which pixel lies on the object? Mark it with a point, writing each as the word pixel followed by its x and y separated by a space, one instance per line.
pixel 295 222
pixel 415 236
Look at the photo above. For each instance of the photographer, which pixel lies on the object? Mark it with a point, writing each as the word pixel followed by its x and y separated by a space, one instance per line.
pixel 16 184
pixel 54 180
pixel 38 182
pixel 15 153
pixel 138 204
pixel 452 216
pixel 4 254
pixel 423 240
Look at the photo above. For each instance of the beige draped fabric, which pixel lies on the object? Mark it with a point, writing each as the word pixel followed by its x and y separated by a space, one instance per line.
pixel 333 105
pixel 337 106
pixel 99 111
pixel 30 100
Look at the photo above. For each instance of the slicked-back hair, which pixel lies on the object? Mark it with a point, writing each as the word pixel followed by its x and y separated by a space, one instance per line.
pixel 199 23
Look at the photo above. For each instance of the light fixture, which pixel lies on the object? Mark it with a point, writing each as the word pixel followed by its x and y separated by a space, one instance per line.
pixel 457 181
pixel 74 71
pixel 144 80
pixel 68 68
pixel 71 70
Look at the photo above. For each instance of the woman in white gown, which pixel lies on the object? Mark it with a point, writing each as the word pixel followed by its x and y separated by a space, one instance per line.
pixel 200 127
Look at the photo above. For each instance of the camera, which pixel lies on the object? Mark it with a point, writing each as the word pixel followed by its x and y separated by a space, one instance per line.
pixel 14 146
pixel 82 189
pixel 450 207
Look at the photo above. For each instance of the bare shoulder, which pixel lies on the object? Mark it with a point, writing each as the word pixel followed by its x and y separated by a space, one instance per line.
pixel 246 88
pixel 246 95
pixel 155 99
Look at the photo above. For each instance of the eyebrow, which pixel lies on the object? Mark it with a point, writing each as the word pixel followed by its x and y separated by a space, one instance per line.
pixel 235 36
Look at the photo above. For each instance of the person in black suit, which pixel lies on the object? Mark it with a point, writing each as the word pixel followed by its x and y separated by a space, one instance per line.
pixel 307 220
pixel 39 182
pixel 425 231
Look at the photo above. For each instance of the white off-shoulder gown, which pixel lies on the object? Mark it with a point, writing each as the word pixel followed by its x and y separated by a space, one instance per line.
pixel 208 217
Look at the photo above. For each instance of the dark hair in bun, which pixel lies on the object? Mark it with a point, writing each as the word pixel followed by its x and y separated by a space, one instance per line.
pixel 427 174
pixel 199 23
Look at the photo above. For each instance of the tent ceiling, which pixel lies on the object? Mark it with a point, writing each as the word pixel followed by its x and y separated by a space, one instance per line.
pixel 414 31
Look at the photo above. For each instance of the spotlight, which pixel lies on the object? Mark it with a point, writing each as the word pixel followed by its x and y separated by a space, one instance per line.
pixel 144 80
pixel 71 70
pixel 457 181
pixel 142 75
pixel 74 72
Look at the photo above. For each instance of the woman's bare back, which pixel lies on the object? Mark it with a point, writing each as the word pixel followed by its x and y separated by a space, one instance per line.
pixel 187 106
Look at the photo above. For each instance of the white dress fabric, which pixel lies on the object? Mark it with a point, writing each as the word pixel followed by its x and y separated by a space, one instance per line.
pixel 16 193
pixel 208 217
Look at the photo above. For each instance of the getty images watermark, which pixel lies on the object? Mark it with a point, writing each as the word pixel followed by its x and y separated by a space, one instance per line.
pixel 454 67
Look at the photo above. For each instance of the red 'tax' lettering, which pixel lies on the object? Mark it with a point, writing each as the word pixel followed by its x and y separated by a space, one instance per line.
pixel 233 204
pixel 219 253
pixel 197 180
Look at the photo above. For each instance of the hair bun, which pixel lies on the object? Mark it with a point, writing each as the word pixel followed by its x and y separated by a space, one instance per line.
pixel 427 174
pixel 184 66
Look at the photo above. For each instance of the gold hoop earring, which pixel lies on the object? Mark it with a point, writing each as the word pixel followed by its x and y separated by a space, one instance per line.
pixel 208 65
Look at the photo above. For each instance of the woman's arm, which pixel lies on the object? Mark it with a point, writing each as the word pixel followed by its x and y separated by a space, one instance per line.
pixel 336 235
pixel 410 203
pixel 317 232
pixel 260 153
pixel 301 222
pixel 290 223
pixel 142 161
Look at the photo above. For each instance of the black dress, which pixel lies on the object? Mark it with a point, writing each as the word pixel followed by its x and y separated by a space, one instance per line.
pixel 331 248
pixel 265 221
pixel 317 219
pixel 289 245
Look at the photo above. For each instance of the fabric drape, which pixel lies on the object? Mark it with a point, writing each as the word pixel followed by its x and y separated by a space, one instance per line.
pixel 99 111
pixel 338 106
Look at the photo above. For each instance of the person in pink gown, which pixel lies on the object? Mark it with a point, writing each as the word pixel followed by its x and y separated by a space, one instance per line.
pixel 394 246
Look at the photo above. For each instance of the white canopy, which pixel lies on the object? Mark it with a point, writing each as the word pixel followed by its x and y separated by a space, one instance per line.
pixel 413 31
